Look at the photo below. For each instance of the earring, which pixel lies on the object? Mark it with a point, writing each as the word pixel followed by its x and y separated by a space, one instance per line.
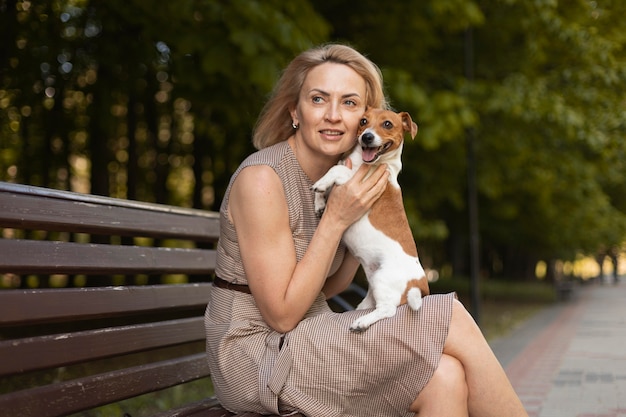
pixel 294 125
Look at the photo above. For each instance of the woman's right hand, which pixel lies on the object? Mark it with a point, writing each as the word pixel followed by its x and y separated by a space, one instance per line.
pixel 349 202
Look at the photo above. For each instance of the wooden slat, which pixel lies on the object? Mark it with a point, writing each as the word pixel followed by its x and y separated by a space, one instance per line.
pixel 29 207
pixel 52 305
pixel 205 408
pixel 28 212
pixel 70 348
pixel 69 397
pixel 208 408
pixel 42 257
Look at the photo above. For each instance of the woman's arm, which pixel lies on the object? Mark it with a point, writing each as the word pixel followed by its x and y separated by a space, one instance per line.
pixel 283 288
pixel 340 280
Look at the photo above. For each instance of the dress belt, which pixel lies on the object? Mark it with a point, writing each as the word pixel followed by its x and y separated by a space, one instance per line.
pixel 222 283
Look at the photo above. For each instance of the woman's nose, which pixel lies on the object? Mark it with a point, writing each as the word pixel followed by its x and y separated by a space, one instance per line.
pixel 333 112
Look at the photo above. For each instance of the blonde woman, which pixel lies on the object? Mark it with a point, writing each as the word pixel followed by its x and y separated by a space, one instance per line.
pixel 274 345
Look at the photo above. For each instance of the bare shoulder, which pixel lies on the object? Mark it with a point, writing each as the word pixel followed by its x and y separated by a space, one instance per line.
pixel 257 195
pixel 257 182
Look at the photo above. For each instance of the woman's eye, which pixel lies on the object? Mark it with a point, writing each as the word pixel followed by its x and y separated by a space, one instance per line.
pixel 350 102
pixel 387 124
pixel 317 99
pixel 363 122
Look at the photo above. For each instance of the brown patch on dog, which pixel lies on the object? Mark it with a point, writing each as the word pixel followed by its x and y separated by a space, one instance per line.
pixel 388 216
pixel 421 284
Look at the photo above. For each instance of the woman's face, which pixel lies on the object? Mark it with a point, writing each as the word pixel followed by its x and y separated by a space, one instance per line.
pixel 331 103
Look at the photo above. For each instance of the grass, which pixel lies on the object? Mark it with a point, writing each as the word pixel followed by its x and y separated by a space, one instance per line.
pixel 503 304
pixel 498 319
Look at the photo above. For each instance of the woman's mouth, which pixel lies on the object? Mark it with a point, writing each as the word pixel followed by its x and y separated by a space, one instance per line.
pixel 331 133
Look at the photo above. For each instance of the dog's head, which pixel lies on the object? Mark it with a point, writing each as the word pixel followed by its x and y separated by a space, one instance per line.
pixel 381 132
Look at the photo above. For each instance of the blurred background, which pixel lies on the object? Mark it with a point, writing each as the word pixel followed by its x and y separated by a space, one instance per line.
pixel 520 106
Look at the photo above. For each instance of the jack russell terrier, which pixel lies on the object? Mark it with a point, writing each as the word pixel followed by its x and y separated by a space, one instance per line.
pixel 381 240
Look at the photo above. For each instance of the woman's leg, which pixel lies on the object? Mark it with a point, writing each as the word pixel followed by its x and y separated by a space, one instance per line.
pixel 445 395
pixel 490 393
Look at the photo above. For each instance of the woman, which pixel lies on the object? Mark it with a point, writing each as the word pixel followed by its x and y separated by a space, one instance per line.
pixel 273 344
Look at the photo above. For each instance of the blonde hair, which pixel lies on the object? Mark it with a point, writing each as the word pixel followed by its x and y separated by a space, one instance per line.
pixel 274 123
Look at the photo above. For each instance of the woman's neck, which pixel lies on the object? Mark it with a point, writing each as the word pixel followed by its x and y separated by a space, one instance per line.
pixel 314 165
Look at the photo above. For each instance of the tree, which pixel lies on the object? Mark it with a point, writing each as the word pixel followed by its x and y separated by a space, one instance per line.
pixel 156 102
pixel 547 108
pixel 552 127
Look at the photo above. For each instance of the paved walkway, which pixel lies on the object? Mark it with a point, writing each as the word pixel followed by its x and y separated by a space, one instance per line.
pixel 569 360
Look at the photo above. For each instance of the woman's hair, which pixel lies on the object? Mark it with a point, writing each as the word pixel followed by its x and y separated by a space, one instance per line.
pixel 274 123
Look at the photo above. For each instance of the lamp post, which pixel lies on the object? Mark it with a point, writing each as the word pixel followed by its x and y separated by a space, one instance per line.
pixel 472 193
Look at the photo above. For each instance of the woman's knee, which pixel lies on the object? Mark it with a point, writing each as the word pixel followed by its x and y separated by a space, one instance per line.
pixel 446 390
pixel 451 375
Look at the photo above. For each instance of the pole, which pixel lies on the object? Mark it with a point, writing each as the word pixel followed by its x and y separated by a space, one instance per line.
pixel 472 192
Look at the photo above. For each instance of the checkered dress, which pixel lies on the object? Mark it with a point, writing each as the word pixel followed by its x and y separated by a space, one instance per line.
pixel 320 368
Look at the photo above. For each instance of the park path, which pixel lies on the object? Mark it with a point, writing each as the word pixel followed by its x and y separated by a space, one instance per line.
pixel 569 360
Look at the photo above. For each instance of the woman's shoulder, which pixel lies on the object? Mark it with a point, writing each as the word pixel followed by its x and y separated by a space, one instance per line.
pixel 262 168
pixel 272 155
pixel 269 167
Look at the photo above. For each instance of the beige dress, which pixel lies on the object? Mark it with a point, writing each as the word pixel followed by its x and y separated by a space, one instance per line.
pixel 320 368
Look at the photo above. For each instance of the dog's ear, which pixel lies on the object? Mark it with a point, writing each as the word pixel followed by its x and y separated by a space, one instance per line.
pixel 408 124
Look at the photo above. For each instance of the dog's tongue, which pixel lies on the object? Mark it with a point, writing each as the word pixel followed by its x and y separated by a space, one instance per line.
pixel 369 154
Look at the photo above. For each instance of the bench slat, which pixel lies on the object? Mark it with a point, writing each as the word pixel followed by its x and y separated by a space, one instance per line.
pixel 79 258
pixel 70 348
pixel 208 408
pixel 78 213
pixel 80 394
pixel 21 307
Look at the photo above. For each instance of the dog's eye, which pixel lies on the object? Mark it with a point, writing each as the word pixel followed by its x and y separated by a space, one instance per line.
pixel 387 124
pixel 363 121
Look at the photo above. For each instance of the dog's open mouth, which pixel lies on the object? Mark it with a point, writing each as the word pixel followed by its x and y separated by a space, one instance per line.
pixel 372 154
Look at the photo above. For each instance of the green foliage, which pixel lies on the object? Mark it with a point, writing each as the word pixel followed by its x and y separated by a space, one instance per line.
pixel 157 94
pixel 551 127
pixel 545 102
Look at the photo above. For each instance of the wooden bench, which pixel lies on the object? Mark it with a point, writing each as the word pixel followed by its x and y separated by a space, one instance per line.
pixel 65 350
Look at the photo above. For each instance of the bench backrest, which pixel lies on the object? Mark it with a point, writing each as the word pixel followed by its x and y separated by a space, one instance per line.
pixel 44 332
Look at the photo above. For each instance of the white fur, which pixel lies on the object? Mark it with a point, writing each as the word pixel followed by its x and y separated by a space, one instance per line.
pixel 387 266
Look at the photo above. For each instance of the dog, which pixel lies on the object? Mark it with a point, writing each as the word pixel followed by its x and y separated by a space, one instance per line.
pixel 381 240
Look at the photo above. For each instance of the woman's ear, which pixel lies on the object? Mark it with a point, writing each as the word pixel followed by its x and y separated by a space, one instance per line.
pixel 294 117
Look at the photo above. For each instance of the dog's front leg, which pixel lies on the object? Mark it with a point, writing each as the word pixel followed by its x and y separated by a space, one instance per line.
pixel 339 174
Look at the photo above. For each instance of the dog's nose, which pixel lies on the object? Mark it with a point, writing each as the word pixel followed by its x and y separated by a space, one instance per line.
pixel 367 138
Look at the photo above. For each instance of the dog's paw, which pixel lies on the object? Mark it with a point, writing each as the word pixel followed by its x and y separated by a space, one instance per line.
pixel 322 185
pixel 363 323
pixel 358 327
pixel 320 204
